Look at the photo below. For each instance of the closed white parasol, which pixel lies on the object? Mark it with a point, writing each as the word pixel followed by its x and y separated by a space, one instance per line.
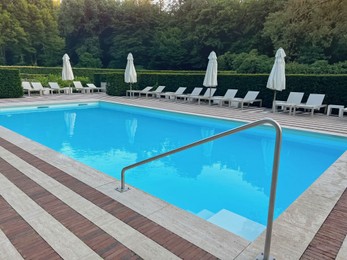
pixel 210 79
pixel 67 73
pixel 130 75
pixel 277 78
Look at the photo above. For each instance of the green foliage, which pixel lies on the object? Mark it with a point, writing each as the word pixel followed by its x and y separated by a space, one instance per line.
pixel 87 60
pixel 100 33
pixel 26 71
pixel 253 62
pixel 10 84
pixel 250 62
pixel 168 48
pixel 309 30
pixel 105 31
pixel 318 67
pixel 223 26
pixel 115 84
pixel 31 33
pixel 44 79
pixel 11 37
pixel 134 24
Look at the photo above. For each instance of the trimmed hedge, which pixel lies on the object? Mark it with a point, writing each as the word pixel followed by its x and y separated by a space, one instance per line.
pixel 333 86
pixel 27 71
pixel 10 84
pixel 78 72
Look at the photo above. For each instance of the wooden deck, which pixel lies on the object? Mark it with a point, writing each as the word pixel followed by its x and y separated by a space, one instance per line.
pixel 43 202
pixel 330 237
pixel 102 243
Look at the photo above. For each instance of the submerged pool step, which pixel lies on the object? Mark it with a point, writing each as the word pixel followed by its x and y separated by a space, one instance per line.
pixel 205 214
pixel 244 227
pixel 239 225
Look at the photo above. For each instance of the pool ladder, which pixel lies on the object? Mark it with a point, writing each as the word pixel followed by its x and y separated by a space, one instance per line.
pixel 266 254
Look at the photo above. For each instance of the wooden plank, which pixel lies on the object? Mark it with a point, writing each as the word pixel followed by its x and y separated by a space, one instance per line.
pixel 329 238
pixel 67 215
pixel 72 220
pixel 23 237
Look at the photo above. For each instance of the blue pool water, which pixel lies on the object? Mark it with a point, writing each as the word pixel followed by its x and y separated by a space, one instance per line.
pixel 225 179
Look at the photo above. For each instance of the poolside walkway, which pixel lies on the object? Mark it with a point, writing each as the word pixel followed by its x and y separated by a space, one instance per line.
pixel 52 207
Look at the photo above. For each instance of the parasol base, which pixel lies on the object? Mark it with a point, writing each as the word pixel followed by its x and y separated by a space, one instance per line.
pixel 119 189
pixel 261 257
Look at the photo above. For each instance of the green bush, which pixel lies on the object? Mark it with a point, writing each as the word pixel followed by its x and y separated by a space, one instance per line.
pixel 10 84
pixel 115 84
pixel 45 78
pixel 253 62
pixel 78 72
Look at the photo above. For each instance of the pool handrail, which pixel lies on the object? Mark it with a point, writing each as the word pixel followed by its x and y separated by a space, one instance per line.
pixel 266 254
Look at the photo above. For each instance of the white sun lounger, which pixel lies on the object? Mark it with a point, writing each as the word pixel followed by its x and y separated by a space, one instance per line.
pixel 131 93
pixel 171 95
pixel 195 92
pixel 38 87
pixel 54 86
pixel 229 95
pixel 154 93
pixel 79 87
pixel 207 96
pixel 293 99
pixel 314 102
pixel 27 88
pixel 93 88
pixel 250 98
pixel 103 86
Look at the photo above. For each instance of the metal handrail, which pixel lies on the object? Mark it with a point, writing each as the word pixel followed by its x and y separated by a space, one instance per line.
pixel 266 254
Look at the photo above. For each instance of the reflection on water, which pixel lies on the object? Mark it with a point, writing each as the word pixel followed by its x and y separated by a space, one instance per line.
pixel 267 152
pixel 67 149
pixel 109 160
pixel 131 126
pixel 207 132
pixel 70 120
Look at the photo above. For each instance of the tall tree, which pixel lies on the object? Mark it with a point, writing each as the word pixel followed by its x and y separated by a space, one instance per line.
pixel 134 27
pixel 12 38
pixel 171 34
pixel 38 22
pixel 168 51
pixel 82 24
pixel 222 26
pixel 310 30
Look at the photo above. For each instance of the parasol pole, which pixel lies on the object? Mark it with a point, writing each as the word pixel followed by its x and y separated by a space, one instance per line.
pixel 273 101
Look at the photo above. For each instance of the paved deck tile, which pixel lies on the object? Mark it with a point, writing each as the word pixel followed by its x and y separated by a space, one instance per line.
pixel 97 239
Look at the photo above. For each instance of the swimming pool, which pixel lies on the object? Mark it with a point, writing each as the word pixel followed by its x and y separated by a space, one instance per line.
pixel 223 180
